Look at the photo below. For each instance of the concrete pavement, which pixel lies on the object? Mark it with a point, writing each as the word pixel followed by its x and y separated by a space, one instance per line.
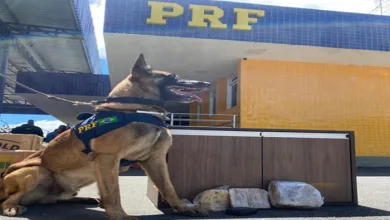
pixel 373 186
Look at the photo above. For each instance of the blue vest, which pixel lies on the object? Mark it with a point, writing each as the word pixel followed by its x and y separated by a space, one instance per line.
pixel 103 122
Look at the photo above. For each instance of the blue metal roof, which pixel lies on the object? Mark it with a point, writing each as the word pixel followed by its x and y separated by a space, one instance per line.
pixel 280 25
pixel 77 84
pixel 85 24
pixel 64 22
pixel 77 87
pixel 47 36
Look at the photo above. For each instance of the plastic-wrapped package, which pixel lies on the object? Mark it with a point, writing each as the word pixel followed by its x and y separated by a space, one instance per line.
pixel 249 198
pixel 216 199
pixel 290 194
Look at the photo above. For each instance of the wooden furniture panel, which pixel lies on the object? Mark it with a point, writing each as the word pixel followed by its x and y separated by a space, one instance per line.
pixel 324 163
pixel 198 163
pixel 204 158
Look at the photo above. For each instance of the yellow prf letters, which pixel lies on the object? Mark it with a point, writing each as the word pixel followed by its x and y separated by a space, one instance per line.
pixel 158 14
pixel 87 127
pixel 243 19
pixel 199 17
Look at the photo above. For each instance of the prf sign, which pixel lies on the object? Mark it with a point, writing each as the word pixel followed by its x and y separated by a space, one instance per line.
pixel 161 11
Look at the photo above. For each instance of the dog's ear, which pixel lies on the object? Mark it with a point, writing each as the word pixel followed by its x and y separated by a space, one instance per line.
pixel 141 68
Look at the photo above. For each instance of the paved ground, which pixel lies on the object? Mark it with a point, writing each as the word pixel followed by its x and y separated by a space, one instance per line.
pixel 373 186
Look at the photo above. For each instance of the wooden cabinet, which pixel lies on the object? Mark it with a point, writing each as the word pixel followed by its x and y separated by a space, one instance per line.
pixel 320 159
pixel 201 159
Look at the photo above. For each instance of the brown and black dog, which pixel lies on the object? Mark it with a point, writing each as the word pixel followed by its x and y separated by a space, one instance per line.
pixel 59 171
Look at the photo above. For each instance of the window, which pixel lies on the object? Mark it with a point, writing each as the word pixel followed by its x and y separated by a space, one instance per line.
pixel 213 101
pixel 232 91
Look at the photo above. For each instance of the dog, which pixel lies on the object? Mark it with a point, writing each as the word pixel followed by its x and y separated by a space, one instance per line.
pixel 72 161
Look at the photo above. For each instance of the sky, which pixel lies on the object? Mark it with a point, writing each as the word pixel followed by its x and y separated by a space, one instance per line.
pixel 49 123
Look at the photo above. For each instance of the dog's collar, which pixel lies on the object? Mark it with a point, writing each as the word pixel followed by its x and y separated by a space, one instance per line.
pixel 133 100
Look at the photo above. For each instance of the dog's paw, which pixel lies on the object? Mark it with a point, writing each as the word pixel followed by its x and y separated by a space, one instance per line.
pixel 14 211
pixel 193 211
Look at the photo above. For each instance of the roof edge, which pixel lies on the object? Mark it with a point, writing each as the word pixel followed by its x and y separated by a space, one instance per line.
pixel 82 13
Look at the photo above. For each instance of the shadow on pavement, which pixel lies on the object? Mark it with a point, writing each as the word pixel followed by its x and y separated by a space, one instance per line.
pixel 64 212
pixel 133 172
pixel 324 212
pixel 80 212
pixel 373 171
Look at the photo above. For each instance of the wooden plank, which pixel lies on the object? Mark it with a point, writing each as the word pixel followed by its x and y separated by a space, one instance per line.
pixel 198 163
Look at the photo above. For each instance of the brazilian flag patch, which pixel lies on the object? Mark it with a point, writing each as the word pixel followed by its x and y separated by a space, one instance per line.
pixel 108 120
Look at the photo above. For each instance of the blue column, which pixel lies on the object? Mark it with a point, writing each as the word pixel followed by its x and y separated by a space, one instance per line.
pixel 4 52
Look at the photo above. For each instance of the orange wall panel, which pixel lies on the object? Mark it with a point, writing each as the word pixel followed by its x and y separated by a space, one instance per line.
pixel 298 95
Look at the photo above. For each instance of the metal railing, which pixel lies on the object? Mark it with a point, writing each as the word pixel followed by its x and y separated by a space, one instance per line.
pixel 203 120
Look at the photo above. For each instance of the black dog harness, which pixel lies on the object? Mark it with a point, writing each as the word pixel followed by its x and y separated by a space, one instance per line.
pixel 96 125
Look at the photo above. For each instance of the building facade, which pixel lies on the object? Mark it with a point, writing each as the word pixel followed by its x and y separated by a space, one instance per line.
pixel 273 67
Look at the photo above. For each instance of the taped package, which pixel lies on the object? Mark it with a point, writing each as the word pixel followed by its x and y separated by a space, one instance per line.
pixel 290 194
pixel 249 198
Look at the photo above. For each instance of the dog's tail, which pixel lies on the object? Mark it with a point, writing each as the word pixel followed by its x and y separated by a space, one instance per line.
pixel 32 160
pixel 3 195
